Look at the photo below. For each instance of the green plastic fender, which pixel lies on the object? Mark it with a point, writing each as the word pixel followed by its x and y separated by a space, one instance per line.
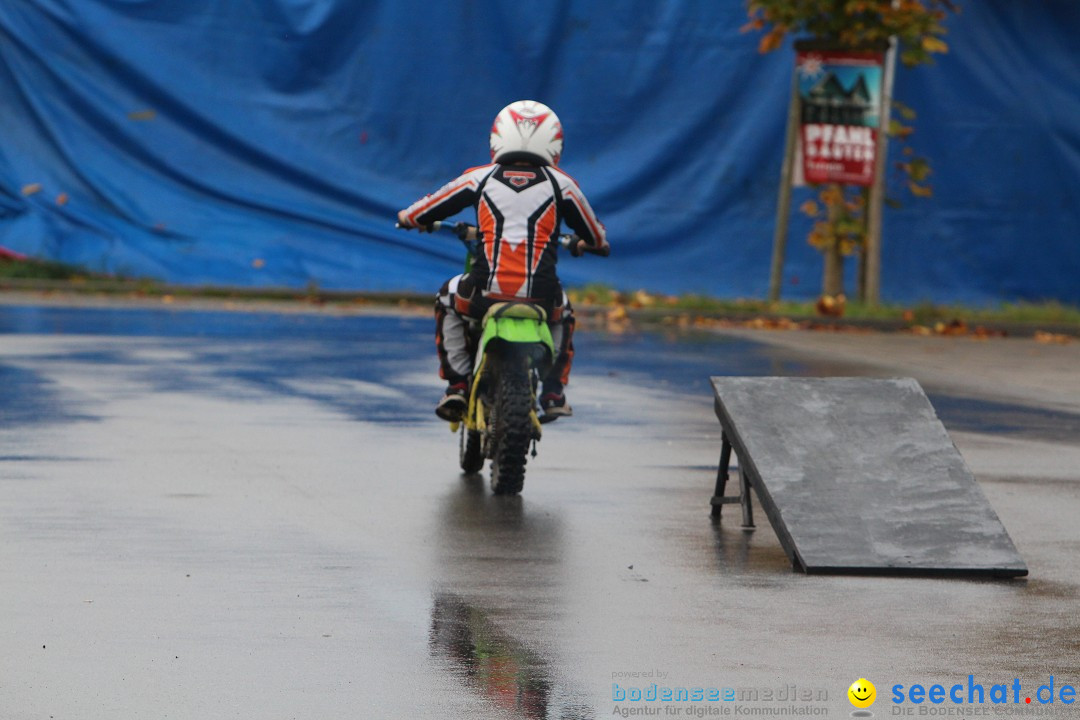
pixel 518 323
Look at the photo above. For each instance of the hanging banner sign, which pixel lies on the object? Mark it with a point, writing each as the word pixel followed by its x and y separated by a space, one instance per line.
pixel 840 103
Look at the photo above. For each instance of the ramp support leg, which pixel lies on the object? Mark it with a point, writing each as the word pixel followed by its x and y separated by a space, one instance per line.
pixel 722 474
pixel 744 495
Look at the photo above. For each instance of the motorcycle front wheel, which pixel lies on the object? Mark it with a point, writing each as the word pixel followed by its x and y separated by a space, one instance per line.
pixel 471 454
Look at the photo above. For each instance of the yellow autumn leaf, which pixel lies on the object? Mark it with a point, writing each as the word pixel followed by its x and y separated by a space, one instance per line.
pixel 934 45
pixel 772 40
pixel 1046 337
pixel 832 195
pixel 920 190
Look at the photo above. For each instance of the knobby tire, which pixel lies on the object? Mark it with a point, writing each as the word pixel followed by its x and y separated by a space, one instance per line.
pixel 471 454
pixel 513 428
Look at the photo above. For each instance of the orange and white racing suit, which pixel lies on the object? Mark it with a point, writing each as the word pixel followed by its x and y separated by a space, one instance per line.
pixel 519 211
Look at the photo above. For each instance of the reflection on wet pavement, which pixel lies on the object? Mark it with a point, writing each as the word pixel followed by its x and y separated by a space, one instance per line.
pixel 227 354
pixel 507 675
pixel 329 347
pixel 28 399
pixel 498 563
pixel 1013 420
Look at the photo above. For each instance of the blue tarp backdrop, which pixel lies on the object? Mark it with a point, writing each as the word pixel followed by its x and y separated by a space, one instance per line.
pixel 270 142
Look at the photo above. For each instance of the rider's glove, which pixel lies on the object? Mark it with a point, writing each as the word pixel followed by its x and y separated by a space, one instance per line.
pixel 572 243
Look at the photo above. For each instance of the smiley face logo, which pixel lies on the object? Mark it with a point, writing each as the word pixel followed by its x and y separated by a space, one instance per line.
pixel 862 693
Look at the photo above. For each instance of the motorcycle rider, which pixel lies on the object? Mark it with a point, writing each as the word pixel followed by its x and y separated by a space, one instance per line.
pixel 520 199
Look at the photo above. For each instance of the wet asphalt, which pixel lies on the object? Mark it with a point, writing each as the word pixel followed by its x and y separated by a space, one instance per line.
pixel 257 515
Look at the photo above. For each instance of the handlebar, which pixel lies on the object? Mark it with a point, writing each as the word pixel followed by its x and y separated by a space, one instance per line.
pixel 469 234
pixel 464 231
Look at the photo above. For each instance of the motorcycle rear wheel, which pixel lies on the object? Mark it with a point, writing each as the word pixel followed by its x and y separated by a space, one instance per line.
pixel 513 428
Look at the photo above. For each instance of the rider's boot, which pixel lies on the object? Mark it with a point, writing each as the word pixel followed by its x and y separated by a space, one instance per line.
pixel 453 404
pixel 553 402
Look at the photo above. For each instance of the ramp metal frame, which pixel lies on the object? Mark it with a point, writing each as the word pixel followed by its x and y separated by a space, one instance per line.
pixel 722 476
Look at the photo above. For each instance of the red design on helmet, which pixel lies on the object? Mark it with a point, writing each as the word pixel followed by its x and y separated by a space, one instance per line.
pixel 529 131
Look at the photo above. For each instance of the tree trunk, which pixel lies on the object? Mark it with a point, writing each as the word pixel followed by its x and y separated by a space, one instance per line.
pixel 834 271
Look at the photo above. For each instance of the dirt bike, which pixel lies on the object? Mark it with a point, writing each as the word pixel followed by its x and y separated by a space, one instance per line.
pixel 514 351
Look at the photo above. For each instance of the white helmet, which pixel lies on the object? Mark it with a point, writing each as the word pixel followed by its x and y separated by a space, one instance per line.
pixel 526 130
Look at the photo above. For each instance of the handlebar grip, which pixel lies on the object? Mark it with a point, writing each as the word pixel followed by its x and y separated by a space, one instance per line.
pixel 430 227
pixel 462 229
pixel 570 242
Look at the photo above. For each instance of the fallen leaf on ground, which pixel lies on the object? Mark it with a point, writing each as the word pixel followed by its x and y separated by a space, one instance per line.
pixel 1048 337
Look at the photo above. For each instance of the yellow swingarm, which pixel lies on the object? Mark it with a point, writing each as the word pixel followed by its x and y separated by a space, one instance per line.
pixel 474 416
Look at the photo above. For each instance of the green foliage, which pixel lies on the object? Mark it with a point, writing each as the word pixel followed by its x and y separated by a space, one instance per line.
pixel 917 24
pixel 40 270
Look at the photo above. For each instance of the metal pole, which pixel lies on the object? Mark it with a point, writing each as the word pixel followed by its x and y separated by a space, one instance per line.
pixel 860 269
pixel 783 202
pixel 877 189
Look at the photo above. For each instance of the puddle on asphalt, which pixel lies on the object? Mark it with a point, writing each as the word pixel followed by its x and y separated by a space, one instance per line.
pixel 370 349
pixel 684 362
pixel 995 418
pixel 28 399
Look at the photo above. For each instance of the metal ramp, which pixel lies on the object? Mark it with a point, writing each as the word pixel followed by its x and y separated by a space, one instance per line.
pixel 858 475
